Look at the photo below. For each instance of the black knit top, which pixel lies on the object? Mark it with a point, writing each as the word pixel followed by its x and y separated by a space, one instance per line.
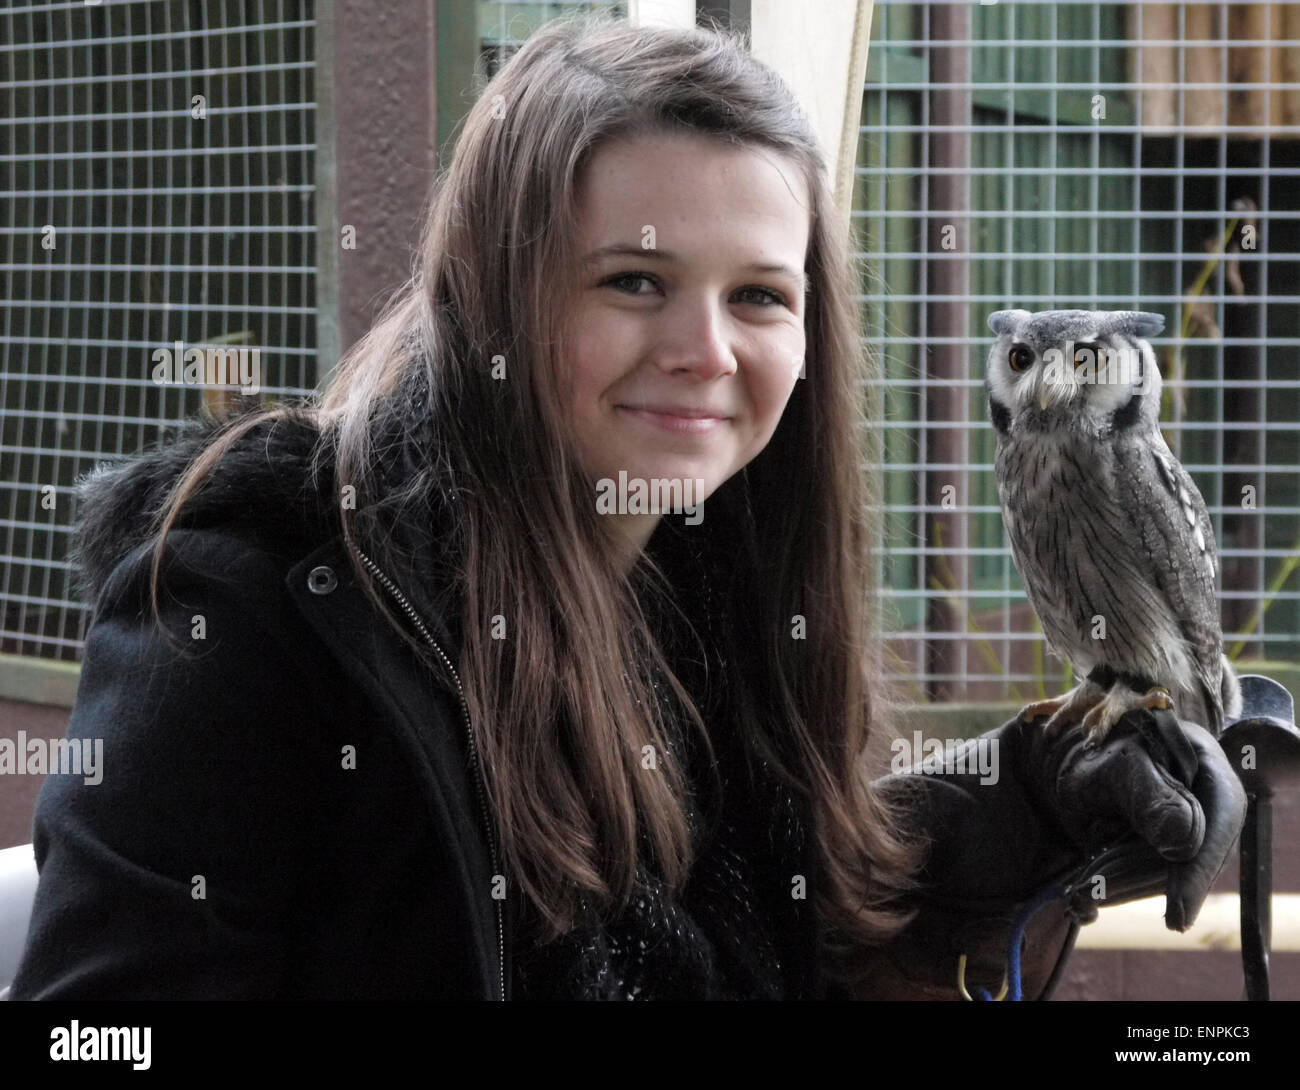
pixel 736 931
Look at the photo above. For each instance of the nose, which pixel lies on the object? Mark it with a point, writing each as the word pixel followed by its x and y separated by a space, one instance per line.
pixel 694 339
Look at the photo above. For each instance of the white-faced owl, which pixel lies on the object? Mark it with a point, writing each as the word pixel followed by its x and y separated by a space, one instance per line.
pixel 1109 533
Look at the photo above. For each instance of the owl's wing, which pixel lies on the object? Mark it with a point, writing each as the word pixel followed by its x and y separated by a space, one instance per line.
pixel 1179 539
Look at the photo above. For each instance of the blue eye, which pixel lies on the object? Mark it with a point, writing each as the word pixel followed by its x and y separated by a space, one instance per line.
pixel 621 277
pixel 776 299
pixel 773 298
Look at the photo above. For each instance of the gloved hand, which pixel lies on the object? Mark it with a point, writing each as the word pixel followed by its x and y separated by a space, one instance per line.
pixel 1158 788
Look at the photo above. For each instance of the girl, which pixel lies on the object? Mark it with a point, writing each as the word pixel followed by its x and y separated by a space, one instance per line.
pixel 534 657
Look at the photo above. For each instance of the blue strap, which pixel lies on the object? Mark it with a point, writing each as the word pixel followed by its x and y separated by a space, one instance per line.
pixel 1045 896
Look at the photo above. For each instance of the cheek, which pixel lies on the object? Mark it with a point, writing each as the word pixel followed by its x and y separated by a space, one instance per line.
pixel 772 384
pixel 592 359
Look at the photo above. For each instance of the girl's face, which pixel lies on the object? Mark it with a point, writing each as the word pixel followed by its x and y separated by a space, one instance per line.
pixel 687 334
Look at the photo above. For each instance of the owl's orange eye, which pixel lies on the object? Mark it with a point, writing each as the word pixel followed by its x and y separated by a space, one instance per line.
pixel 1086 353
pixel 1021 358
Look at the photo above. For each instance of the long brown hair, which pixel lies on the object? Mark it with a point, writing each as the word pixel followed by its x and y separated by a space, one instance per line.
pixel 561 739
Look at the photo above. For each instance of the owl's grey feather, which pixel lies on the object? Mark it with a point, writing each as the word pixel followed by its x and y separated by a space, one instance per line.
pixel 1102 519
pixel 1179 541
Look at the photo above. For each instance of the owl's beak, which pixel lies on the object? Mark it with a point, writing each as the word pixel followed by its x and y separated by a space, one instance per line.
pixel 1053 391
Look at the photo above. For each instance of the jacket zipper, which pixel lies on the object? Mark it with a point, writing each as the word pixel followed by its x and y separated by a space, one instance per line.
pixel 479 788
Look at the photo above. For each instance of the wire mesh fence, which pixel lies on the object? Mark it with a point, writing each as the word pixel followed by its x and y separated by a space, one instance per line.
pixel 504 25
pixel 157 161
pixel 157 251
pixel 1091 155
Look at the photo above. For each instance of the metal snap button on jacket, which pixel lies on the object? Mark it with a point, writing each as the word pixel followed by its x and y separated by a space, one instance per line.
pixel 322 580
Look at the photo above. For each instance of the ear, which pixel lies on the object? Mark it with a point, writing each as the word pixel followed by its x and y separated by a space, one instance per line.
pixel 1141 323
pixel 1148 324
pixel 1001 321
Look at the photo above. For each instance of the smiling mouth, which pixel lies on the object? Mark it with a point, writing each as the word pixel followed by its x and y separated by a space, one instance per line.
pixel 679 421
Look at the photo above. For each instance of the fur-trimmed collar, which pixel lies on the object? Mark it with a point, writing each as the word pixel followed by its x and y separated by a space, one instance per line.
pixel 262 487
pixel 263 490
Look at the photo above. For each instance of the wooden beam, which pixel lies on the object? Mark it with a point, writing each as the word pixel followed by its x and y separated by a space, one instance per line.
pixel 32 680
pixel 1140 925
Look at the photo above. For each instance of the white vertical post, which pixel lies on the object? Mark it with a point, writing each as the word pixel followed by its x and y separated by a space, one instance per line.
pixel 661 12
pixel 821 52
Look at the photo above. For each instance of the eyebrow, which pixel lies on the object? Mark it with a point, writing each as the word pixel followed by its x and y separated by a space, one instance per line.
pixel 627 249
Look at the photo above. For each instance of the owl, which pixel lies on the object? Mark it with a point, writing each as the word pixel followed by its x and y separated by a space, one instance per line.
pixel 1109 533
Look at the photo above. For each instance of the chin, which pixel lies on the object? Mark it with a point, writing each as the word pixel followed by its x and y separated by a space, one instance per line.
pixel 647 464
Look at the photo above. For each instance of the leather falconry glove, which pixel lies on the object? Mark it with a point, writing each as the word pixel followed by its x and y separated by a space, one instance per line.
pixel 1156 808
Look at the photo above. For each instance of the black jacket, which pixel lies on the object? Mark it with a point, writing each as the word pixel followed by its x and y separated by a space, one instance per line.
pixel 288 806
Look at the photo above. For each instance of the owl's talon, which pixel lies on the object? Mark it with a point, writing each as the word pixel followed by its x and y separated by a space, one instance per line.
pixel 1064 710
pixel 1157 699
pixel 1058 723
pixel 1041 708
pixel 1097 724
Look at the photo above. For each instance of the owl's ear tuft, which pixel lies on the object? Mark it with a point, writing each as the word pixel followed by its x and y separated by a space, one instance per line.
pixel 1003 321
pixel 1146 324
pixel 1140 323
